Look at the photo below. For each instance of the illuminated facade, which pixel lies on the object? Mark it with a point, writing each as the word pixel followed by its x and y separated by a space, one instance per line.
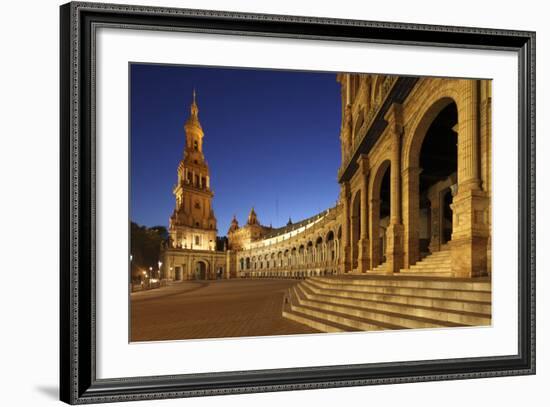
pixel 191 250
pixel 415 190
pixel 193 224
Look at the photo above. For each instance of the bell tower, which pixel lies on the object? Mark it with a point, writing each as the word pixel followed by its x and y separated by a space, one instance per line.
pixel 193 224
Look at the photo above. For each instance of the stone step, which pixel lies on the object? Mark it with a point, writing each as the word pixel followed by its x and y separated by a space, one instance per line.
pixel 357 307
pixel 455 302
pixel 408 291
pixel 434 257
pixel 437 255
pixel 438 269
pixel 382 269
pixel 352 322
pixel 431 265
pixel 447 274
pixel 406 282
pixel 441 252
pixel 365 319
pixel 435 269
pixel 432 261
pixel 319 324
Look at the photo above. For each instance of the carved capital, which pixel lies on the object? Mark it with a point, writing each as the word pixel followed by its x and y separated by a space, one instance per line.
pixel 363 163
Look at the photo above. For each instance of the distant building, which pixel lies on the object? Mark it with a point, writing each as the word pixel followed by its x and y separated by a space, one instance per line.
pixel 240 238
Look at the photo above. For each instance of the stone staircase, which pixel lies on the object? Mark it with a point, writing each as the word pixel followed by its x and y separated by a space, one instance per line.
pixel 435 264
pixel 372 303
pixel 380 269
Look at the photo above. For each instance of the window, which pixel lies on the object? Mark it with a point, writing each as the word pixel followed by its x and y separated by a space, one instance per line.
pixel 196 145
pixel 197 240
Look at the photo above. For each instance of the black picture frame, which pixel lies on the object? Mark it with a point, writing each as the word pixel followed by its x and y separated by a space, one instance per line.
pixel 78 382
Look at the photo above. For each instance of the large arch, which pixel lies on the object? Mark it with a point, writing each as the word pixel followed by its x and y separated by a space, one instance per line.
pixel 433 104
pixel 413 142
pixel 375 187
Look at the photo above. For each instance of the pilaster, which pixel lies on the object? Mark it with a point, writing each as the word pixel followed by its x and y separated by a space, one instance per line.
pixel 363 243
pixel 395 231
pixel 470 233
pixel 345 259
pixel 374 210
pixel 470 205
pixel 410 179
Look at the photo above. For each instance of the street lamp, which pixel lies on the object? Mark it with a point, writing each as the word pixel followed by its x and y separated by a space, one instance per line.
pixel 160 265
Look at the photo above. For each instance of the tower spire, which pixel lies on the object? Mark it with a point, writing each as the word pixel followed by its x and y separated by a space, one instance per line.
pixel 193 119
pixel 194 107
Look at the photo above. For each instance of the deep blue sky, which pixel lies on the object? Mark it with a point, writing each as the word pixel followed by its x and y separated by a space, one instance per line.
pixel 270 136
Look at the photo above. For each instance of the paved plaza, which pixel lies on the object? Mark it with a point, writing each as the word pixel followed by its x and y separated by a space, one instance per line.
pixel 212 309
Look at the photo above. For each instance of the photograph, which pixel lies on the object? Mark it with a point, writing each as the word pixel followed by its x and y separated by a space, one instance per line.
pixel 269 202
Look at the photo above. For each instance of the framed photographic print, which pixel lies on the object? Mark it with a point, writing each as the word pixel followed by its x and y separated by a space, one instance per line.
pixel 255 203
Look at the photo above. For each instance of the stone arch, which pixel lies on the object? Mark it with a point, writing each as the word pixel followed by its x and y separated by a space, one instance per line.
pixel 431 105
pixel 375 187
pixel 286 258
pixel 377 174
pixel 309 251
pixel 331 246
pixel 414 139
pixel 318 248
pixel 202 270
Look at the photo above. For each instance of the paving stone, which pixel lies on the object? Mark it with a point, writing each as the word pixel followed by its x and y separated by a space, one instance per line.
pixel 212 309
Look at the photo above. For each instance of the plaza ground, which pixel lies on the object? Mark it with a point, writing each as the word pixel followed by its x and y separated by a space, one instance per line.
pixel 212 309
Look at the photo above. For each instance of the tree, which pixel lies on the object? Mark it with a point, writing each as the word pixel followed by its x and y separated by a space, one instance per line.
pixel 145 246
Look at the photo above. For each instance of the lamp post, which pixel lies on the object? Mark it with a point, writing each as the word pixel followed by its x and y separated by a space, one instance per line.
pixel 160 265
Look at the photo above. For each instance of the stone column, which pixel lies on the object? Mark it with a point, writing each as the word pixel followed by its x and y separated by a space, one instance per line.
pixel 436 221
pixel 190 271
pixel 394 233
pixel 230 264
pixel 374 223
pixel 345 260
pixel 470 204
pixel 411 214
pixel 363 244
